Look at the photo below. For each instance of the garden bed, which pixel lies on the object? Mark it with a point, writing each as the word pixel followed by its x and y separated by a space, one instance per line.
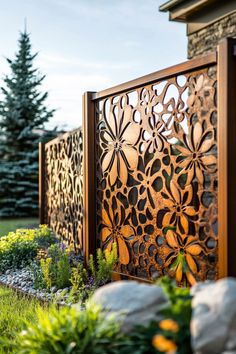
pixel 35 262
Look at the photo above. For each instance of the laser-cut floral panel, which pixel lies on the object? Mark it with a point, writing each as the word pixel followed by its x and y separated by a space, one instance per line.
pixel 156 165
pixel 64 187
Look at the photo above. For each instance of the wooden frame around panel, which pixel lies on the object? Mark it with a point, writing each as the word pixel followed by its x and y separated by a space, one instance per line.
pixel 42 183
pixel 227 157
pixel 89 218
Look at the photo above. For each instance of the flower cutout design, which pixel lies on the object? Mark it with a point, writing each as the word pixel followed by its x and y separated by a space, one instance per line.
pixel 197 85
pixel 194 158
pixel 154 137
pixel 114 230
pixel 120 155
pixel 181 253
pixel 180 210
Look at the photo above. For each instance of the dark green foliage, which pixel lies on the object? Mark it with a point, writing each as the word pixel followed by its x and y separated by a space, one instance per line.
pixel 22 118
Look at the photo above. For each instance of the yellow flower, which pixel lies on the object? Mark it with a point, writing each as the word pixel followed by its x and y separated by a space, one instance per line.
pixel 169 325
pixel 164 345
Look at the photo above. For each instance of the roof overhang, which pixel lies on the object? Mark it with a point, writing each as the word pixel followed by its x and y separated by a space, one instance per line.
pixel 181 10
pixel 197 14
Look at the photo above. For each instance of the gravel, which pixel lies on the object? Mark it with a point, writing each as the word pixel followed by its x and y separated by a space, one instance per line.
pixel 22 280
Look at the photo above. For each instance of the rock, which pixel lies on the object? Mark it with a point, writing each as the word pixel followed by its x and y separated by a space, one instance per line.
pixel 53 289
pixel 137 303
pixel 213 324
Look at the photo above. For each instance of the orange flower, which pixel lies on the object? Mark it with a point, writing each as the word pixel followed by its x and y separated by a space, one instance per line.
pixel 169 325
pixel 120 137
pixel 180 253
pixel 164 345
pixel 194 159
pixel 180 210
pixel 115 231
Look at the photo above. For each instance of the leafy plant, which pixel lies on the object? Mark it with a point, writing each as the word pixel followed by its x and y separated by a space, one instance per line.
pixel 56 268
pixel 74 331
pixel 19 248
pixel 86 281
pixel 46 272
pixel 102 270
pixel 44 236
pixel 172 333
pixel 37 275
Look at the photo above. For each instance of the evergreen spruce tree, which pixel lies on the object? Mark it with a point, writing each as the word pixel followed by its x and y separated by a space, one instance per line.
pixel 22 117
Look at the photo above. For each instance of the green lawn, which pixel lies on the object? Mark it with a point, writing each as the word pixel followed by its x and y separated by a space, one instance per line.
pixel 15 310
pixel 7 225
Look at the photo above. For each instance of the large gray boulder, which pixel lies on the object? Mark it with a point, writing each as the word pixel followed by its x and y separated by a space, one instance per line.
pixel 136 303
pixel 213 324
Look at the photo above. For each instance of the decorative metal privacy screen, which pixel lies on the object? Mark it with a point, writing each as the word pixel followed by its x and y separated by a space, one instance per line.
pixel 153 171
pixel 156 155
pixel 63 170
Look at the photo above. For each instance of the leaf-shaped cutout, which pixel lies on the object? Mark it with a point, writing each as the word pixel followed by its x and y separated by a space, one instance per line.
pixel 142 218
pixel 133 196
pixel 134 217
pixel 141 204
pixel 157 184
pixel 149 214
pixel 156 166
pixel 150 198
pixel 122 198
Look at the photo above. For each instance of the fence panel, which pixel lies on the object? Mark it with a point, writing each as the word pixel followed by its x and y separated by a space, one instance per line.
pixel 156 172
pixel 63 187
pixel 158 155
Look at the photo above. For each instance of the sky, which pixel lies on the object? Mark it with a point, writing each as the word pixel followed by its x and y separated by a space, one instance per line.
pixel 90 45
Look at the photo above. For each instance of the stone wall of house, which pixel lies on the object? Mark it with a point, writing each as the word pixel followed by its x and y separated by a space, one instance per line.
pixel 206 39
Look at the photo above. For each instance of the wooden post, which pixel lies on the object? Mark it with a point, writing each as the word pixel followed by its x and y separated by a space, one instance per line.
pixel 227 156
pixel 42 183
pixel 89 163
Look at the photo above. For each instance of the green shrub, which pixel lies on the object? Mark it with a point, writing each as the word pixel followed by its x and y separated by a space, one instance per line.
pixel 37 275
pixel 19 248
pixel 56 268
pixel 102 269
pixel 85 281
pixel 45 265
pixel 74 331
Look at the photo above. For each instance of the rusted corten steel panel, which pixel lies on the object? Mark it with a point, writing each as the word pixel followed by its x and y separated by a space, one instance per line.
pixel 156 172
pixel 63 187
